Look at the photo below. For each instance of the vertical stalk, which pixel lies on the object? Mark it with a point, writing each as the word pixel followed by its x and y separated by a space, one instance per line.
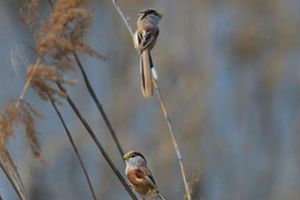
pixel 96 141
pixel 164 110
pixel 76 151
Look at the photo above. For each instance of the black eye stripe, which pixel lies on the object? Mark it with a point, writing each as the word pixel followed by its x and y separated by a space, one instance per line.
pixel 143 13
pixel 134 154
pixel 151 12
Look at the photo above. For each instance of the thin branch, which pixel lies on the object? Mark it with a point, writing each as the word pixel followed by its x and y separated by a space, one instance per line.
pixel 96 100
pixel 26 86
pixel 164 110
pixel 11 180
pixel 15 173
pixel 6 154
pixel 175 144
pixel 97 142
pixel 117 6
pixel 76 151
pixel 11 172
pixel 13 169
pixel 98 104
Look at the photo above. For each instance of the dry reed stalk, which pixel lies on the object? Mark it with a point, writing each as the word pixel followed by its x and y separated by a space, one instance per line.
pixel 97 142
pixel 175 144
pixel 11 115
pixel 26 87
pixel 117 6
pixel 99 105
pixel 10 170
pixel 11 181
pixel 20 112
pixel 66 19
pixel 43 77
pixel 76 151
pixel 15 172
pixel 164 110
pixel 57 37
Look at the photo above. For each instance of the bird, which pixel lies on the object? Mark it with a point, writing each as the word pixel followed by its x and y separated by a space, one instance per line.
pixel 144 39
pixel 140 176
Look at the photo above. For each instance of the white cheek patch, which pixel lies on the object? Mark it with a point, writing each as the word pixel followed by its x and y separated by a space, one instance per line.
pixel 136 161
pixel 132 162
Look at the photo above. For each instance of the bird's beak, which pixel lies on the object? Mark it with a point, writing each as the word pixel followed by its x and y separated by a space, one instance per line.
pixel 126 156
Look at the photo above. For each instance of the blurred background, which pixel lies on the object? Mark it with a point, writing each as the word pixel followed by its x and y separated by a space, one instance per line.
pixel 229 73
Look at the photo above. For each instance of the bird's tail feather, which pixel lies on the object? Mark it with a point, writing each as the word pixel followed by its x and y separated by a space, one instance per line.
pixel 146 74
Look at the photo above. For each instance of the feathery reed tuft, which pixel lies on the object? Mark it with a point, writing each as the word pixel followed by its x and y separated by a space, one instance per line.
pixel 24 115
pixel 62 33
pixel 28 12
pixel 43 77
pixel 8 116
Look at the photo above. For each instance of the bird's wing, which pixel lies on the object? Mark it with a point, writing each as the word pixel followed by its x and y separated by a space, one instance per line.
pixel 145 39
pixel 145 173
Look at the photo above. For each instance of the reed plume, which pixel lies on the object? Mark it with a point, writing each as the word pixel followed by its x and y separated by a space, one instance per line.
pixel 24 115
pixel 28 12
pixel 62 32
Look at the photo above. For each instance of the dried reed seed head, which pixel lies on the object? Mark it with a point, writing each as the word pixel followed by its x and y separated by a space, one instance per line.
pixel 65 63
pixel 66 4
pixel 27 119
pixel 44 79
pixel 88 50
pixel 43 71
pixel 62 33
pixel 27 116
pixel 8 117
pixel 28 12
pixel 34 112
pixel 24 115
pixel 45 91
pixel 61 27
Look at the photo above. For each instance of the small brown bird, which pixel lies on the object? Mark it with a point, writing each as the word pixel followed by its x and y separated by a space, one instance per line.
pixel 140 176
pixel 144 40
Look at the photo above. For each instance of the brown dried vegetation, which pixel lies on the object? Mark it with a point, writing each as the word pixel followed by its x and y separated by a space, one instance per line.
pixel 28 12
pixel 57 38
pixel 62 33
pixel 43 79
pixel 24 115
